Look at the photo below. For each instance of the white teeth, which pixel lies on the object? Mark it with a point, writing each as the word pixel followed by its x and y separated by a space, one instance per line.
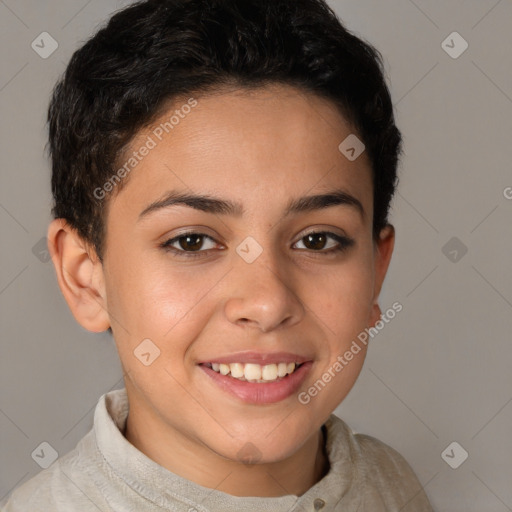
pixel 269 372
pixel 255 372
pixel 237 370
pixel 252 371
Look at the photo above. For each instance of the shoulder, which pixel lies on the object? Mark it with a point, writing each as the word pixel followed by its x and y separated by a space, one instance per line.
pixel 381 461
pixel 62 487
pixel 387 481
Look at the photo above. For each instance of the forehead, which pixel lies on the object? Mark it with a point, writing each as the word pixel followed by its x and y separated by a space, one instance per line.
pixel 259 145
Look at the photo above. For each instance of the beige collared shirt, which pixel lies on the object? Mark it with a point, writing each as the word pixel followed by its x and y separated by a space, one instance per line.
pixel 104 472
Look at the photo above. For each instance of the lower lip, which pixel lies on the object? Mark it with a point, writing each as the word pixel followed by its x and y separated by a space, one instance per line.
pixel 260 393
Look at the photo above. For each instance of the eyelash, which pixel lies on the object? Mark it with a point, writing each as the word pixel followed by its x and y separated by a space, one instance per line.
pixel 343 244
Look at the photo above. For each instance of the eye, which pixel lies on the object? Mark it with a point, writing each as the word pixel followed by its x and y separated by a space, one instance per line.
pixel 187 243
pixel 317 241
pixel 192 244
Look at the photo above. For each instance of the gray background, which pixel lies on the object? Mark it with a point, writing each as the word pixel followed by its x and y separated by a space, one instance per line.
pixel 438 373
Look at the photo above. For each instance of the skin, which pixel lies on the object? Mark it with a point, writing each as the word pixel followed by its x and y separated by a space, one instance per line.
pixel 261 148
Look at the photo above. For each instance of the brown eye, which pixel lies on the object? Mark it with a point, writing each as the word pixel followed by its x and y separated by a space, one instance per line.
pixel 317 242
pixel 191 242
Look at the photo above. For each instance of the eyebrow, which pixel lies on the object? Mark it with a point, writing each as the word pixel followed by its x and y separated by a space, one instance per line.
pixel 214 205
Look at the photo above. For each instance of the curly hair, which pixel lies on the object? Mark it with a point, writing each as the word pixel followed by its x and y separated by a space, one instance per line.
pixel 154 51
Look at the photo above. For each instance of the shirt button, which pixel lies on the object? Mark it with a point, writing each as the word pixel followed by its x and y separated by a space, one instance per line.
pixel 318 504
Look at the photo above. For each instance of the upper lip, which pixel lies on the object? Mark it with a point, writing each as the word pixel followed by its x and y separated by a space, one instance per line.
pixel 261 358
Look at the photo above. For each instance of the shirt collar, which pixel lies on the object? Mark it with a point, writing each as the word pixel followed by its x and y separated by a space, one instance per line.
pixel 165 488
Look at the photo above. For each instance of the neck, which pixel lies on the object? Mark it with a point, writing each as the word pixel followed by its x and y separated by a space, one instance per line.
pixel 184 457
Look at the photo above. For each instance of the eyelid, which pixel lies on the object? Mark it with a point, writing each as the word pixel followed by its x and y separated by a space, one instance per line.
pixel 325 230
pixel 343 243
pixel 167 243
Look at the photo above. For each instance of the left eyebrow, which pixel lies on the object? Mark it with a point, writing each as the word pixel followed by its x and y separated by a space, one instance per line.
pixel 320 201
pixel 216 205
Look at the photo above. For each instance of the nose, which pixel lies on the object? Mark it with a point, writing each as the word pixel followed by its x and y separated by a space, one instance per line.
pixel 262 295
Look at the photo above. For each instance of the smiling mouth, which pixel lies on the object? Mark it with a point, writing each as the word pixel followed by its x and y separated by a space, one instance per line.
pixel 250 372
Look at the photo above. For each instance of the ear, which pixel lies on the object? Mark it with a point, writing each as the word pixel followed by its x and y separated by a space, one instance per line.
pixel 382 256
pixel 80 276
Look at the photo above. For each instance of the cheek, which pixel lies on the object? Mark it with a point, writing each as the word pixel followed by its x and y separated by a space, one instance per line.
pixel 342 299
pixel 342 304
pixel 166 308
pixel 159 303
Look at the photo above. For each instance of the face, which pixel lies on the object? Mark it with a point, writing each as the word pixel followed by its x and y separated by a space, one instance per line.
pixel 275 265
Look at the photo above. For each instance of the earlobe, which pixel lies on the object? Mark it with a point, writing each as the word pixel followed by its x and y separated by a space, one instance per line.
pixel 80 276
pixel 383 251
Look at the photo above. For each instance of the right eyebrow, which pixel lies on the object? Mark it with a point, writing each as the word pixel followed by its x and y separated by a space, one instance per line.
pixel 203 203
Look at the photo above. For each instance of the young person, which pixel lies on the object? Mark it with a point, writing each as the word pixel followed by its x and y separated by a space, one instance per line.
pixel 222 174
